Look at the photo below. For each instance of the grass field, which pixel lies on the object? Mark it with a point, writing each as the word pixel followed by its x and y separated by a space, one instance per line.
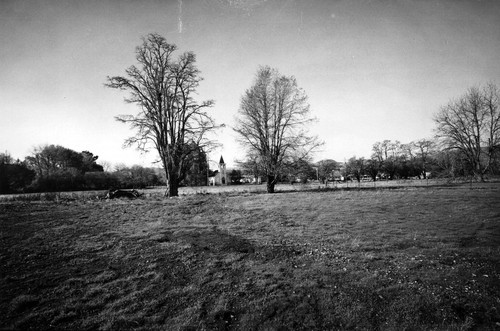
pixel 247 188
pixel 385 259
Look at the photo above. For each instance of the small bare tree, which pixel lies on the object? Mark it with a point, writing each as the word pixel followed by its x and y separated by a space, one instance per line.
pixel 388 153
pixel 471 125
pixel 326 169
pixel 169 118
pixel 423 150
pixel 272 123
pixel 356 167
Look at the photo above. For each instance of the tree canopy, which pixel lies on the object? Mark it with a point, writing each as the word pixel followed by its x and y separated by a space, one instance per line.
pixel 51 159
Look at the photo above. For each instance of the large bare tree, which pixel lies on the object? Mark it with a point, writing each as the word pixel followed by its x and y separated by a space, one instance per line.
pixel 471 125
pixel 169 118
pixel 272 122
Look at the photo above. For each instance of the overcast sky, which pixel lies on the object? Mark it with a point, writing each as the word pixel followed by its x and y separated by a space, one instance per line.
pixel 373 70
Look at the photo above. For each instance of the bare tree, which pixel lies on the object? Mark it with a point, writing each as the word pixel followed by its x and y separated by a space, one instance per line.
pixel 372 168
pixel 272 122
pixel 381 150
pixel 422 151
pixel 471 125
pixel 326 169
pixel 106 166
pixel 250 166
pixel 169 118
pixel 356 167
pixel 388 153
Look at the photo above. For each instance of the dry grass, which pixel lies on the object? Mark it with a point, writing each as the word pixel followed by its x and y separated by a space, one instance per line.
pixel 159 191
pixel 413 258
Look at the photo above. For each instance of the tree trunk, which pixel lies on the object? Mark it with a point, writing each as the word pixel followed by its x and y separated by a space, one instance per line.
pixel 173 187
pixel 172 184
pixel 479 176
pixel 270 184
pixel 478 172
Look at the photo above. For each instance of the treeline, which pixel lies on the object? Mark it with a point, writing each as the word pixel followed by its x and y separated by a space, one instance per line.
pixel 395 160
pixel 466 144
pixel 54 168
pixel 389 160
pixel 418 159
pixel 294 170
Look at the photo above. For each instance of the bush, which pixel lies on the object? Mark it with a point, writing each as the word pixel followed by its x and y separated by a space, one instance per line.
pixel 61 181
pixel 14 177
pixel 100 181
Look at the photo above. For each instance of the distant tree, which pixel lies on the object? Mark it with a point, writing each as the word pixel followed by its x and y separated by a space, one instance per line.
pixel 14 176
pixel 381 151
pixel 356 167
pixel 136 177
pixel 452 163
pixel 301 170
pixel 6 158
pixel 97 180
pixel 143 177
pixel 326 169
pixel 272 121
pixel 119 167
pixel 235 176
pixel 251 166
pixel 381 154
pixel 422 150
pixel 391 157
pixel 89 162
pixel 471 125
pixel 408 164
pixel 394 165
pixel 59 168
pixel 55 159
pixel 106 166
pixel 196 169
pixel 169 117
pixel 51 159
pixel 372 168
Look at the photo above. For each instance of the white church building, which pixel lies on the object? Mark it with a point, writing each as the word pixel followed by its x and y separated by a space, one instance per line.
pixel 221 177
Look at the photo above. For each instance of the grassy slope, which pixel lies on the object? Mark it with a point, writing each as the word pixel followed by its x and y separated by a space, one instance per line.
pixel 387 259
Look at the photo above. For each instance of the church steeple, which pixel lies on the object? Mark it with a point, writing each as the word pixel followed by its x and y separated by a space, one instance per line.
pixel 222 171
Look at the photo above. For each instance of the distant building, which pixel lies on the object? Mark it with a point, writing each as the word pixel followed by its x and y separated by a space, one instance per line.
pixel 221 177
pixel 251 179
pixel 337 175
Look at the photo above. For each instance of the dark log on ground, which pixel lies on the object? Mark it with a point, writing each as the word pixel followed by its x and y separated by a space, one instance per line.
pixel 131 194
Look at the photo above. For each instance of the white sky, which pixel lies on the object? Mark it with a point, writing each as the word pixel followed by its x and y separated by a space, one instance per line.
pixel 373 70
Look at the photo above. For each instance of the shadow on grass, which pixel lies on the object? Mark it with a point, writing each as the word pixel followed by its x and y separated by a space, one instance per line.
pixel 215 240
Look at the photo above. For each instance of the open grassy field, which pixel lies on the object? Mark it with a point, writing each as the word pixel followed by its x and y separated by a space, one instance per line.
pixel 400 258
pixel 247 188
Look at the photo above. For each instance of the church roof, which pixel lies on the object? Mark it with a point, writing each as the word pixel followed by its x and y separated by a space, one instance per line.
pixel 221 160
